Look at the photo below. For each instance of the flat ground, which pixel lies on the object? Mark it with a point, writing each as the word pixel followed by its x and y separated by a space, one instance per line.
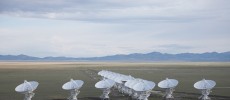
pixel 52 75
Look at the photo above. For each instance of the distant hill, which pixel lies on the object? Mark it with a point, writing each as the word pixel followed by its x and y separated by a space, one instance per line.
pixel 153 56
pixel 17 57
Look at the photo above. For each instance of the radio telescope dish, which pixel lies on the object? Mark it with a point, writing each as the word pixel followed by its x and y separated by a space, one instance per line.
pixel 168 83
pixel 112 76
pixel 128 83
pixel 139 88
pixel 205 84
pixel 205 87
pixel 131 83
pixel 144 85
pixel 101 72
pixel 27 88
pixel 107 83
pixel 73 84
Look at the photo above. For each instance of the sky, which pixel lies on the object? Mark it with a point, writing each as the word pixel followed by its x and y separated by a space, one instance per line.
pixel 89 28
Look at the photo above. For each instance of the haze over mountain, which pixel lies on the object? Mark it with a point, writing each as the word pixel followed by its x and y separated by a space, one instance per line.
pixel 153 56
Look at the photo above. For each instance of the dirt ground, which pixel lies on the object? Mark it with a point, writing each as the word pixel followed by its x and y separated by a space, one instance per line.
pixel 52 75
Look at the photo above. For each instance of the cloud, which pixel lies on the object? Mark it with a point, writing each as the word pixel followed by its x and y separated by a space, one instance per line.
pixel 115 10
pixel 83 28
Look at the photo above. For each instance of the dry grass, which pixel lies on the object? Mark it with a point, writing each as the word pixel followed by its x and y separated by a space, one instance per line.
pixel 48 65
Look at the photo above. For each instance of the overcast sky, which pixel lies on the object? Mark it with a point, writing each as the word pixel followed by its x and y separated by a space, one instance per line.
pixel 86 28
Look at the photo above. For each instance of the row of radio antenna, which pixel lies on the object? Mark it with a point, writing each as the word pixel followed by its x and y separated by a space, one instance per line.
pixel 138 89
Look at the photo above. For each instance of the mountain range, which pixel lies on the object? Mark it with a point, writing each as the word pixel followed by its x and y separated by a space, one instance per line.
pixel 153 56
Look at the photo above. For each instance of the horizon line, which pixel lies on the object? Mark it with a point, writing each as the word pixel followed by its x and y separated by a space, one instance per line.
pixel 114 54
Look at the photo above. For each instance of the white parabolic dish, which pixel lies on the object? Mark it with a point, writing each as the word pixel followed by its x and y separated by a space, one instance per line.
pixel 27 86
pixel 101 73
pixel 131 83
pixel 112 76
pixel 107 83
pixel 168 83
pixel 73 84
pixel 143 85
pixel 205 84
